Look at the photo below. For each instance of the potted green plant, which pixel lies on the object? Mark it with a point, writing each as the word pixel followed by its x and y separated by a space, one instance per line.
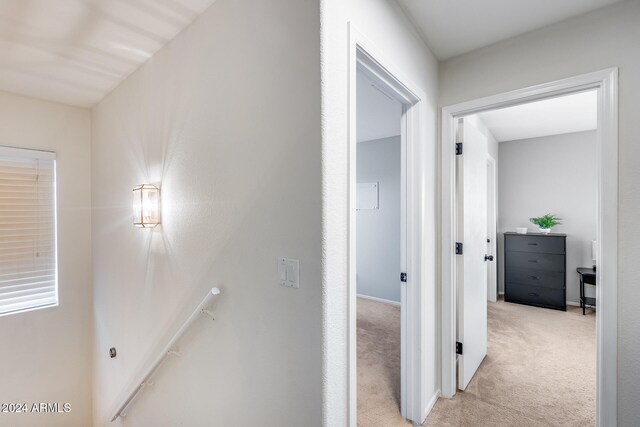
pixel 546 223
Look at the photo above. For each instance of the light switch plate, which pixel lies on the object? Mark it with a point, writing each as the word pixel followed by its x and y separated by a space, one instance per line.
pixel 289 272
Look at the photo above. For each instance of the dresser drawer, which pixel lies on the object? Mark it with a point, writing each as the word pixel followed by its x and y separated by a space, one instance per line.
pixel 551 262
pixel 535 295
pixel 528 243
pixel 535 277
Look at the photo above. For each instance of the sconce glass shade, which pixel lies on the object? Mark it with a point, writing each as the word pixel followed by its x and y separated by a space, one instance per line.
pixel 146 206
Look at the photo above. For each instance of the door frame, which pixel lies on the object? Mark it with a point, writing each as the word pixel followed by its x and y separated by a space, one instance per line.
pixel 606 81
pixel 364 57
pixel 492 225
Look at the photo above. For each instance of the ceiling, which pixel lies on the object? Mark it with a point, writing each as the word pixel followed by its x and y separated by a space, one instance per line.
pixel 454 27
pixel 566 114
pixel 377 114
pixel 76 51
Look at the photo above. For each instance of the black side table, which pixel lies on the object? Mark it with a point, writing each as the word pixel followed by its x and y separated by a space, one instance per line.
pixel 588 276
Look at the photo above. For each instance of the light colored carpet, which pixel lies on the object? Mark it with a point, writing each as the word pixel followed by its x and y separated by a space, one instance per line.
pixel 379 365
pixel 539 371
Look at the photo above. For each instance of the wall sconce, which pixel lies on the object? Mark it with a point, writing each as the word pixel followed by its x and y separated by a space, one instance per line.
pixel 146 206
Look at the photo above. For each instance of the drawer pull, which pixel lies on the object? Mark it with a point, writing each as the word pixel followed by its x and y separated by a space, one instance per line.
pixel 533 260
pixel 532 244
pixel 533 294
pixel 533 277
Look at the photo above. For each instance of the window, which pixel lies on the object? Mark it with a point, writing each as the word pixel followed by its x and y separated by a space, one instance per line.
pixel 28 261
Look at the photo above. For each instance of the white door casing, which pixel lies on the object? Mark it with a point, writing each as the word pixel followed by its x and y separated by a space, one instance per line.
pixel 606 82
pixel 492 225
pixel 365 58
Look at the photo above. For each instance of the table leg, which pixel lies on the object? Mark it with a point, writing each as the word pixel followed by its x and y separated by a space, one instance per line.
pixel 582 295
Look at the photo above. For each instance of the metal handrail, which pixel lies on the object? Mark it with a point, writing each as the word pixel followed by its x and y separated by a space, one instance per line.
pixel 124 407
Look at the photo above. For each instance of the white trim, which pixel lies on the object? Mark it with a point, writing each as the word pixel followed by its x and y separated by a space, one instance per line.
pixel 571 303
pixel 28 153
pixel 365 57
pixel 376 299
pixel 492 230
pixel 606 81
pixel 431 404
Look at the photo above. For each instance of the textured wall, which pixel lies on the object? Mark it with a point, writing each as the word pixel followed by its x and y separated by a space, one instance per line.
pixel 46 354
pixel 598 40
pixel 227 118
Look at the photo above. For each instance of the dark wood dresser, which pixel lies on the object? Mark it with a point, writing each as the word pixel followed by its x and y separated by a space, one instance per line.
pixel 535 268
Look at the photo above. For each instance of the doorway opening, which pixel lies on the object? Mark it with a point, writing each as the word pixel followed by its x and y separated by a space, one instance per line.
pixel 569 170
pixel 380 252
pixel 413 402
pixel 546 163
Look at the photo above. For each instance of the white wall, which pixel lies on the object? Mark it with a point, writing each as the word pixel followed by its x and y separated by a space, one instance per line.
pixel 45 353
pixel 378 230
pixel 552 174
pixel 601 39
pixel 388 29
pixel 227 118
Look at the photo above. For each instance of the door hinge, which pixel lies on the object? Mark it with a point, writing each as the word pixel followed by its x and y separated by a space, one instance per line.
pixel 458 148
pixel 458 248
pixel 458 347
pixel 403 277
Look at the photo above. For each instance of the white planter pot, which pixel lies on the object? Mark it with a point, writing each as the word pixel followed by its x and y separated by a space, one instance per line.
pixel 545 230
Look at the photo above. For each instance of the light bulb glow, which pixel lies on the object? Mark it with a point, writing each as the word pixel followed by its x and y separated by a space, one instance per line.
pixel 146 206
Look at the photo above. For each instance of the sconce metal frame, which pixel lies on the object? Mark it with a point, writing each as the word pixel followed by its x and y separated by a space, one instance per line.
pixel 141 218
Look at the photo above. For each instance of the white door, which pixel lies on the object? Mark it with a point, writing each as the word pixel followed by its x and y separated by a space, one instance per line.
pixel 472 265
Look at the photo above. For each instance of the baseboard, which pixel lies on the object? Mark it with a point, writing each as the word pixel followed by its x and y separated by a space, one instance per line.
pixel 386 301
pixel 430 406
pixel 572 303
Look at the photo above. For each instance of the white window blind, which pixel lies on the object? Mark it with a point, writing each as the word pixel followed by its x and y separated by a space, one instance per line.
pixel 28 262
